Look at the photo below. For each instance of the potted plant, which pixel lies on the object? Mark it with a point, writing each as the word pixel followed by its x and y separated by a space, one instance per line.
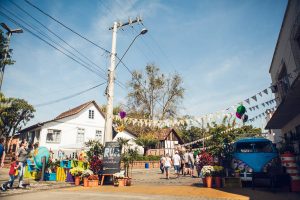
pixel 119 178
pixel 207 171
pixel 76 172
pixel 93 180
pixel 85 174
pixel 218 172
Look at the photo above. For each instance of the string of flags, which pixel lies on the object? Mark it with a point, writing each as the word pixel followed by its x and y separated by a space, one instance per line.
pixel 261 115
pixel 264 104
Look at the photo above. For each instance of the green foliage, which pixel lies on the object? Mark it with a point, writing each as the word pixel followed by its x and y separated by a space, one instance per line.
pixel 154 90
pixel 189 134
pixel 95 149
pixel 3 45
pixel 14 115
pixel 147 141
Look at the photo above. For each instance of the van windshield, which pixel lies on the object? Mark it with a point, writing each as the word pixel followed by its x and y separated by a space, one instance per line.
pixel 254 147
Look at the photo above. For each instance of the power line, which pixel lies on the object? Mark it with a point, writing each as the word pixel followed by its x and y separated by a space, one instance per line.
pixel 68 97
pixel 106 51
pixel 49 38
pixel 34 34
pixel 56 35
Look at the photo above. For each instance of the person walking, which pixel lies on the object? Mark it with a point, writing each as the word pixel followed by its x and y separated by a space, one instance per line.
pixel 162 164
pixel 22 155
pixel 186 163
pixel 168 164
pixel 176 161
pixel 13 173
pixel 191 163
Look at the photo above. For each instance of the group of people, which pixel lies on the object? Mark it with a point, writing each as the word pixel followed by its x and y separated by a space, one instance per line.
pixel 183 164
pixel 17 165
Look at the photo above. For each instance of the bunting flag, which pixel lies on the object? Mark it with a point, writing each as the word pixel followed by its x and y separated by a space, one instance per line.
pixel 260 94
pixel 263 104
pixel 250 109
pixel 265 91
pixel 247 101
pixel 257 106
pixel 254 97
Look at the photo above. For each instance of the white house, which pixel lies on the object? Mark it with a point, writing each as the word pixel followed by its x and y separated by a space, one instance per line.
pixel 69 130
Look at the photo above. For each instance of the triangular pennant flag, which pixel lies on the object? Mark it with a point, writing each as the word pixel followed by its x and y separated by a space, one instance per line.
pixel 265 91
pixel 263 114
pixel 260 94
pixel 254 97
pixel 250 109
pixel 257 106
pixel 263 104
pixel 267 103
pixel 253 107
pixel 248 101
pixel 256 117
pixel 259 115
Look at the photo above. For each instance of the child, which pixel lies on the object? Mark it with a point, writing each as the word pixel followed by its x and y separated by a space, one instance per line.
pixel 12 174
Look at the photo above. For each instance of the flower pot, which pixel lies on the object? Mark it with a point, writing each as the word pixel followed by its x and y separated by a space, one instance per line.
pixel 209 181
pixel 128 181
pixel 85 182
pixel 204 182
pixel 218 181
pixel 77 180
pixel 121 182
pixel 93 183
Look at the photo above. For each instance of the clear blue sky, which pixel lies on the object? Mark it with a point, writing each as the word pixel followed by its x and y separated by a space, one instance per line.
pixel 222 49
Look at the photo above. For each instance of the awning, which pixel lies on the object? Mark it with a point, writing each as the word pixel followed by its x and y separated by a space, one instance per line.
pixel 288 109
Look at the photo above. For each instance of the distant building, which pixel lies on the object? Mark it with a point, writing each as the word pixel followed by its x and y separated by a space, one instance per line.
pixel 68 131
pixel 284 70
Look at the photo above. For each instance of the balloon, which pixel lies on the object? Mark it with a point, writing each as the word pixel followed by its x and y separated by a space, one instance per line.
pixel 38 154
pixel 238 115
pixel 122 114
pixel 245 118
pixel 241 110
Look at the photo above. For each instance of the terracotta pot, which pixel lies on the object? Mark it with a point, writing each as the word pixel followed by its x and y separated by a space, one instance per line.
pixel 121 182
pixel 209 181
pixel 93 183
pixel 218 181
pixel 204 182
pixel 85 182
pixel 77 180
pixel 128 182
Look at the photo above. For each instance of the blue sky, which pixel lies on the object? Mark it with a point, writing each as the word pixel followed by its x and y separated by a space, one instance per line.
pixel 222 49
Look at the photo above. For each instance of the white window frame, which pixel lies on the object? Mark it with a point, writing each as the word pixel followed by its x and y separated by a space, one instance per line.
pixel 56 136
pixel 97 137
pixel 91 114
pixel 79 138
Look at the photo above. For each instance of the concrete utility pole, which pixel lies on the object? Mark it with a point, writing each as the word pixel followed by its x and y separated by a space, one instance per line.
pixel 9 33
pixel 110 89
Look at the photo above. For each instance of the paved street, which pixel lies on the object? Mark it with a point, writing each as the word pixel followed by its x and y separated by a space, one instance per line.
pixel 147 184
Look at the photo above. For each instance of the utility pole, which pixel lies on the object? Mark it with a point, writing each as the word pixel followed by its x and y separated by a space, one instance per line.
pixel 111 76
pixel 9 33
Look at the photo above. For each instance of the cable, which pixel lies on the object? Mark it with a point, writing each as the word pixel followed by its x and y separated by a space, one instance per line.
pixel 106 51
pixel 68 97
pixel 56 35
pixel 49 38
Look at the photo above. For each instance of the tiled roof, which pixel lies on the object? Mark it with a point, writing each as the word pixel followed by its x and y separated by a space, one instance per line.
pixel 77 109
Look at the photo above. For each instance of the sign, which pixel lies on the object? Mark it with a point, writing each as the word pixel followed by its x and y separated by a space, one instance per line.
pixel 111 158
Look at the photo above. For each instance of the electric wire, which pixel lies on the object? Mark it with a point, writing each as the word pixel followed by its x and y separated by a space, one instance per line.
pixel 34 34
pixel 49 38
pixel 68 97
pixel 73 31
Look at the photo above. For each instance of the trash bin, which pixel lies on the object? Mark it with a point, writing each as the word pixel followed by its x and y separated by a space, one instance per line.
pixel 147 165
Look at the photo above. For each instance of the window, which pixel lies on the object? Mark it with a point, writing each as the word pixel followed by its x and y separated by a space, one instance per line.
pixel 98 135
pixel 283 82
pixel 80 135
pixel 53 136
pixel 255 147
pixel 91 114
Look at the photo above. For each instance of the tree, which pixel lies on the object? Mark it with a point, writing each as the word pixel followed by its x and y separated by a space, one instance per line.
pixel 147 141
pixel 3 45
pixel 14 116
pixel 155 95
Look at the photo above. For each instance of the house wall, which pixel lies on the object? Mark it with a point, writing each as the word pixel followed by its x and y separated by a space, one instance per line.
pixel 69 127
pixel 126 135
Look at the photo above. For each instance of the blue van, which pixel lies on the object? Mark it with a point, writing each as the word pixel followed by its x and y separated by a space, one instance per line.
pixel 253 155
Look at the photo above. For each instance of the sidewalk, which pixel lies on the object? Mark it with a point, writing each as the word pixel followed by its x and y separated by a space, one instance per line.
pixel 32 187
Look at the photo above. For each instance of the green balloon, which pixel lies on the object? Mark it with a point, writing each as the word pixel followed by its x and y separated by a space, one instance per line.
pixel 241 110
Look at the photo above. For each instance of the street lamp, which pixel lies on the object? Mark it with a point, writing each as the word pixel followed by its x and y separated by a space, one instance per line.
pixel 9 33
pixel 110 88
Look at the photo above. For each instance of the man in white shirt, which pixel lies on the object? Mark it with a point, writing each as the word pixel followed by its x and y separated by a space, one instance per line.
pixel 176 161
